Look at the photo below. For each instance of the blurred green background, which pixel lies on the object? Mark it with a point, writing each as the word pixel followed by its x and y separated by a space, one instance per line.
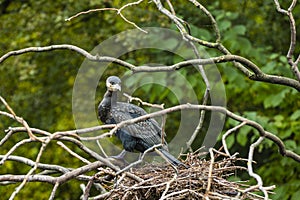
pixel 38 86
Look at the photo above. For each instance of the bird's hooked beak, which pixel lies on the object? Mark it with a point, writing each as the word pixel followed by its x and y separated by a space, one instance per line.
pixel 114 87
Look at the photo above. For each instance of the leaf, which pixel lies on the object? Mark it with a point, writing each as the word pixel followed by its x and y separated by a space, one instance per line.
pixel 283 59
pixel 242 136
pixel 244 45
pixel 231 15
pixel 273 101
pixel 201 33
pixel 296 195
pixel 279 121
pixel 223 25
pixel 239 29
pixel 269 67
pixel 232 122
pixel 290 144
pixel 274 56
pixel 251 115
pixel 230 141
pixel 295 115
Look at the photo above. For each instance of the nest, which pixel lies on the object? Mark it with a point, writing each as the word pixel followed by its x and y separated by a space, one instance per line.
pixel 203 179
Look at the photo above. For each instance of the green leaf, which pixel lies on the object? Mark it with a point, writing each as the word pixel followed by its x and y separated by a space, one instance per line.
pixel 279 121
pixel 295 115
pixel 232 122
pixel 231 15
pixel 273 101
pixel 201 33
pixel 283 59
pixel 244 45
pixel 230 141
pixel 224 25
pixel 290 144
pixel 239 29
pixel 274 56
pixel 242 136
pixel 296 195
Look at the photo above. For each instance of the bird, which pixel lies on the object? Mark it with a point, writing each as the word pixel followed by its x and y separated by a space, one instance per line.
pixel 138 136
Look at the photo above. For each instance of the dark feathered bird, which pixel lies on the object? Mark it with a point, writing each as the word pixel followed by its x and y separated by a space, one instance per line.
pixel 139 136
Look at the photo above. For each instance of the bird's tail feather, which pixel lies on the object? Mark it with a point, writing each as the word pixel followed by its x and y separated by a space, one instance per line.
pixel 173 161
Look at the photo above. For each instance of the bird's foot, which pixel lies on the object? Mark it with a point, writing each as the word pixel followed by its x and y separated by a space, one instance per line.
pixel 120 158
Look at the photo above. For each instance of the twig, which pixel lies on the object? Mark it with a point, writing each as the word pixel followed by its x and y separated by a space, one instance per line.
pixel 52 195
pixel 129 4
pixel 18 189
pixel 139 160
pixel 20 120
pixel 163 196
pixel 212 160
pixel 251 173
pixel 11 150
pixel 212 19
pixel 7 136
pixel 289 14
pixel 200 123
pixel 105 9
pixel 130 99
pixel 228 133
pixel 101 148
pixel 88 188
pixel 73 153
pixel 171 7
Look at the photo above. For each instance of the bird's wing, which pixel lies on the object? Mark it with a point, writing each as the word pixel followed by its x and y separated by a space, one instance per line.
pixel 147 130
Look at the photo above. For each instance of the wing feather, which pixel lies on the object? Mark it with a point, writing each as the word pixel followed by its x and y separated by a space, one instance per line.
pixel 148 130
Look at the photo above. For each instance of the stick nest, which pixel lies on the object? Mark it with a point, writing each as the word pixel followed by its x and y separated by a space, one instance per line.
pixel 160 181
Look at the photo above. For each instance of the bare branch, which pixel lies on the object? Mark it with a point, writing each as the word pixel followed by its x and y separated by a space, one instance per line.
pixel 223 110
pixel 18 119
pixel 257 74
pixel 228 133
pixel 139 160
pixel 73 153
pixel 200 123
pixel 294 65
pixel 52 195
pixel 212 160
pixel 130 99
pixel 256 176
pixel 113 9
pixel 67 47
pixel 129 4
pixel 212 19
pixel 17 145
pixel 163 196
pixel 31 163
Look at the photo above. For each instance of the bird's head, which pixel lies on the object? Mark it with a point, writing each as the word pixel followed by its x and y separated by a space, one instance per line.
pixel 113 83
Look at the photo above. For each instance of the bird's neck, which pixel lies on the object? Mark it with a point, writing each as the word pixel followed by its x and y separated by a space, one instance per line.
pixel 104 109
pixel 111 98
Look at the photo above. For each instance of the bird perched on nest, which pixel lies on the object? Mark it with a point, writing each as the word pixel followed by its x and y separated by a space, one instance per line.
pixel 139 136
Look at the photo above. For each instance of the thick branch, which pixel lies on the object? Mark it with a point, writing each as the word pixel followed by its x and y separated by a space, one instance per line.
pixel 257 74
pixel 68 47
pixel 31 163
pixel 220 109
